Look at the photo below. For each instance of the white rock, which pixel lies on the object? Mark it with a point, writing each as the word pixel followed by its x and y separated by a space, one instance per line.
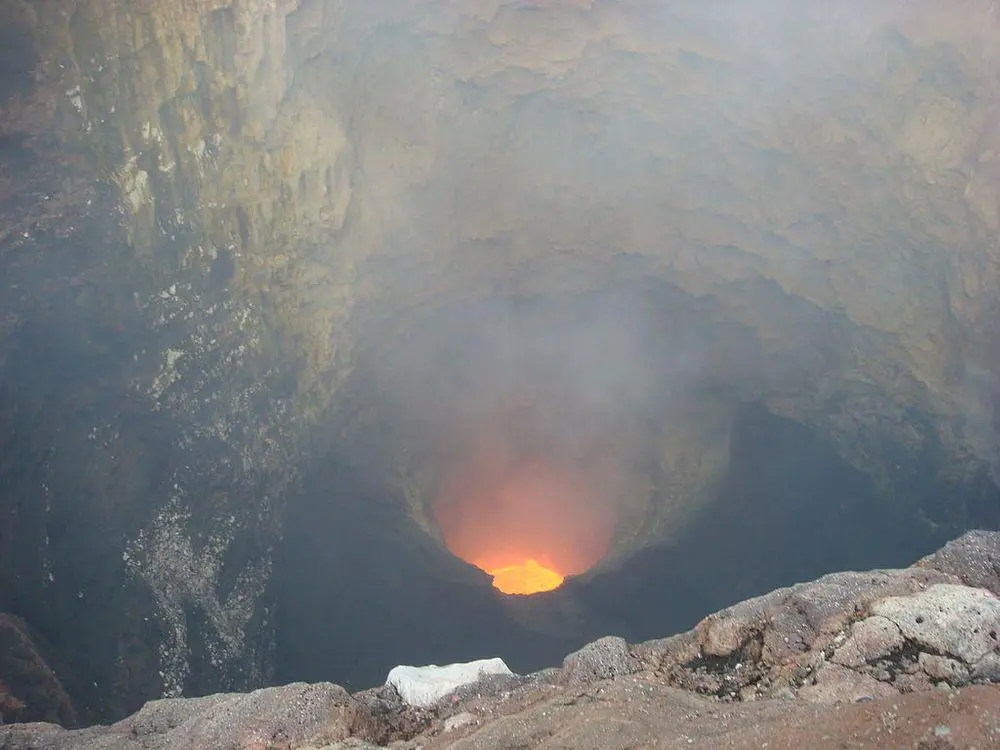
pixel 424 686
pixel 958 621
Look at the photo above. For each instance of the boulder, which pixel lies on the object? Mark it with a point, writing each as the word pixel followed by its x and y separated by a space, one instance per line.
pixel 422 687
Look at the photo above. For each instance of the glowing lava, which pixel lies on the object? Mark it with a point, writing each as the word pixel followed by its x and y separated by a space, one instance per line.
pixel 527 522
pixel 527 578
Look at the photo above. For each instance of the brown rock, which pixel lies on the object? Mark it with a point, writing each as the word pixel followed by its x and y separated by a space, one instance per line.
pixel 630 713
pixel 721 636
pixel 837 684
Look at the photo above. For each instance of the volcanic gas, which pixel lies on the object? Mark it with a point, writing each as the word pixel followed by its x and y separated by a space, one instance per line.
pixel 527 521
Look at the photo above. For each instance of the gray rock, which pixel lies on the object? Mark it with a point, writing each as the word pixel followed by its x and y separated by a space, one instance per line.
pixel 791 621
pixel 974 558
pixel 987 668
pixel 871 639
pixel 165 715
pixel 959 621
pixel 491 685
pixel 38 735
pixel 458 721
pixel 295 713
pixel 351 743
pixel 601 660
pixel 291 715
pixel 942 668
pixel 837 684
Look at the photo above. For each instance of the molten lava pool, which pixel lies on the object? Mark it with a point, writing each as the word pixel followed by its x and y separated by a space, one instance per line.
pixel 529 524
pixel 529 577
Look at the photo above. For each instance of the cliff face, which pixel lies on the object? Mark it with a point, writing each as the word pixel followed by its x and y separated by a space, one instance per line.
pixel 219 219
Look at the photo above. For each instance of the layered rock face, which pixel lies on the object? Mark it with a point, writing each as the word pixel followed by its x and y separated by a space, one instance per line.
pixel 230 231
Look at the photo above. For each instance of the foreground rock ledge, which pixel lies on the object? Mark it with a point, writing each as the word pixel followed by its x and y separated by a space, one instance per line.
pixel 902 657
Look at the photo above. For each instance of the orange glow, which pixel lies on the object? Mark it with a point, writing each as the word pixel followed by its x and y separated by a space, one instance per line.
pixel 527 578
pixel 526 521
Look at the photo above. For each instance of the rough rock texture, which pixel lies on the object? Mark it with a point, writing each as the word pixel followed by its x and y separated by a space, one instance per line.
pixel 845 637
pixel 121 487
pixel 206 208
pixel 295 715
pixel 870 639
pixel 603 659
pixel 955 621
pixel 767 671
pixel 26 680
pixel 424 686
pixel 972 557
pixel 634 713
pixel 255 121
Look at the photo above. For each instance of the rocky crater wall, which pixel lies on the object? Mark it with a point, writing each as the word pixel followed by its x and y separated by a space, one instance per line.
pixel 232 235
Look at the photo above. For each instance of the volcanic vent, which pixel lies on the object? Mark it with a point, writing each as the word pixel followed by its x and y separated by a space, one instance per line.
pixel 526 518
pixel 529 434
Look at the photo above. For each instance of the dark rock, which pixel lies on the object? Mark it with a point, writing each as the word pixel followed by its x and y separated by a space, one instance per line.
pixel 29 680
pixel 604 659
pixel 18 57
pixel 11 707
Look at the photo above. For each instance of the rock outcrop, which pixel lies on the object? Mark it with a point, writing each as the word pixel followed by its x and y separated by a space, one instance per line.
pixel 847 637
pixel 870 658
